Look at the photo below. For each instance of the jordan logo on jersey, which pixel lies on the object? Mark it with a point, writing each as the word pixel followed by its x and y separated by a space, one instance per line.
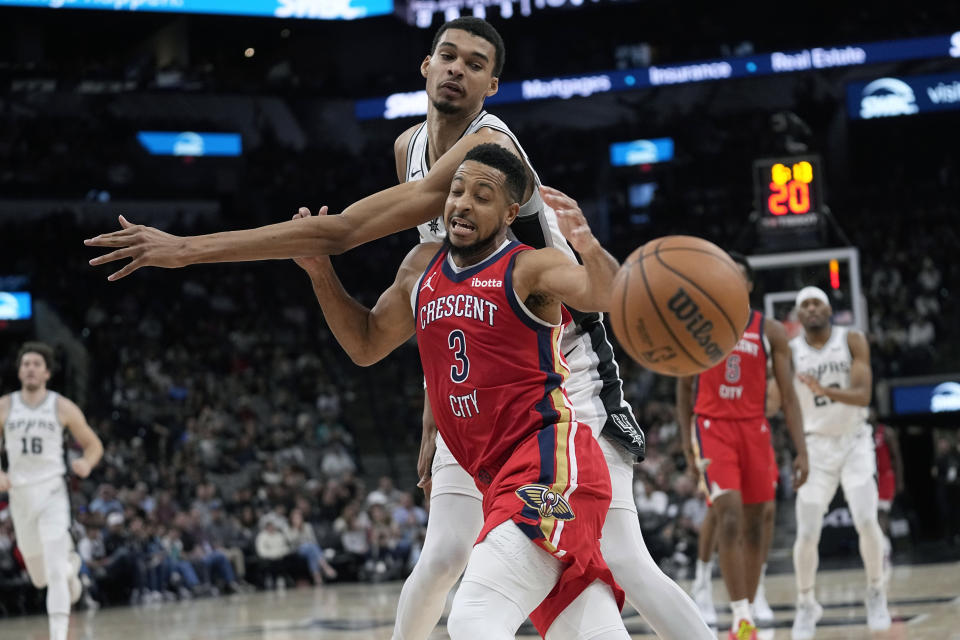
pixel 428 283
pixel 547 503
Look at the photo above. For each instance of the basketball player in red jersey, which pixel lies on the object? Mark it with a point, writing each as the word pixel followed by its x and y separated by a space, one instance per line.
pixel 733 456
pixel 461 71
pixel 488 316
pixel 889 481
pixel 702 588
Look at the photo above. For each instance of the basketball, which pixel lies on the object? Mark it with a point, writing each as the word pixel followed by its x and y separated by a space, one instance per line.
pixel 679 305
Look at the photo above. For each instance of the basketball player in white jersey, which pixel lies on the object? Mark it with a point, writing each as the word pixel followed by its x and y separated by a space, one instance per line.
pixel 461 71
pixel 31 425
pixel 834 388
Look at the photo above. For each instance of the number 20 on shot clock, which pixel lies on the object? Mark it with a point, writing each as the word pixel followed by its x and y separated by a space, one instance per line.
pixel 788 187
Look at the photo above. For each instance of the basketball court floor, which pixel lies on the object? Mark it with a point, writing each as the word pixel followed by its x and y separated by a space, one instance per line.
pixel 924 602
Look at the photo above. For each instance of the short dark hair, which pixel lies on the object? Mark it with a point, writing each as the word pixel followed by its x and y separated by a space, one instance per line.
pixel 478 27
pixel 44 350
pixel 493 155
pixel 741 259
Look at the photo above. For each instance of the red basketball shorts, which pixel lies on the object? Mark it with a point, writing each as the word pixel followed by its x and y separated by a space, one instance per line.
pixel 556 488
pixel 886 488
pixel 736 455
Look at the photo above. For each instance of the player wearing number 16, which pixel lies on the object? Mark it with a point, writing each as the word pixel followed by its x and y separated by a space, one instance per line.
pixel 834 388
pixel 31 425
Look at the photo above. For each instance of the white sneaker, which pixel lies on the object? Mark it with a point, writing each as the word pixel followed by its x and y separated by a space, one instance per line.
pixel 761 608
pixel 805 623
pixel 878 616
pixel 703 596
pixel 73 581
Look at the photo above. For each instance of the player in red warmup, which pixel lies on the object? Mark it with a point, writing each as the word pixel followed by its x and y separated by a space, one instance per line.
pixel 732 454
pixel 488 317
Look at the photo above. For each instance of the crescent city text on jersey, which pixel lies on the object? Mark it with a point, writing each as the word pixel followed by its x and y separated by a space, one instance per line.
pixel 461 305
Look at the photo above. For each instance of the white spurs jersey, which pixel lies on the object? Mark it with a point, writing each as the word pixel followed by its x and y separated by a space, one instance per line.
pixel 830 366
pixel 546 232
pixel 33 438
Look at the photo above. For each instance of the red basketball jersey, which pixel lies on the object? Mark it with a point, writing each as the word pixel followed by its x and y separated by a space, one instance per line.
pixel 493 370
pixel 883 451
pixel 737 387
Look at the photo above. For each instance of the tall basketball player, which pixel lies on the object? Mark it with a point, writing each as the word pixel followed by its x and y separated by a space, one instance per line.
pixel 834 388
pixel 461 71
pixel 31 424
pixel 733 455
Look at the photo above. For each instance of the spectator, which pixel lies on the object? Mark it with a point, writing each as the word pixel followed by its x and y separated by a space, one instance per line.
pixel 303 541
pixel 106 500
pixel 272 550
pixel 385 493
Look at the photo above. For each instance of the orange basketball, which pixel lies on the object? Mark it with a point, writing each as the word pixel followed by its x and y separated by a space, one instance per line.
pixel 679 305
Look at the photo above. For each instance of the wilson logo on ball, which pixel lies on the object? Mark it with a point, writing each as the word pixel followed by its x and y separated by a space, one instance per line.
pixel 700 329
pixel 659 354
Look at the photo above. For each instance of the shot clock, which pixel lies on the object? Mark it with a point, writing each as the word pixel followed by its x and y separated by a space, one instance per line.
pixel 789 192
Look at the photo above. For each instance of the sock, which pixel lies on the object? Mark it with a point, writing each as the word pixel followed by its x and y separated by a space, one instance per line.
pixel 59 624
pixel 806 597
pixel 763 572
pixel 741 611
pixel 704 571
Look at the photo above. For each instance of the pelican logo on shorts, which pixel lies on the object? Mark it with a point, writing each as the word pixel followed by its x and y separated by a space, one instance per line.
pixel 548 503
pixel 699 328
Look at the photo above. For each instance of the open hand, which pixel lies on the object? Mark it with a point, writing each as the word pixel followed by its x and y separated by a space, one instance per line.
pixel 573 225
pixel 146 246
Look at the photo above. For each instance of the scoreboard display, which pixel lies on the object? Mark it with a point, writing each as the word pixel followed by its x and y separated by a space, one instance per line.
pixel 789 192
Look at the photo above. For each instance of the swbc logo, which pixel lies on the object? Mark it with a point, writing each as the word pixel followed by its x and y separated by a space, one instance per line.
pixel 945 397
pixel 887 97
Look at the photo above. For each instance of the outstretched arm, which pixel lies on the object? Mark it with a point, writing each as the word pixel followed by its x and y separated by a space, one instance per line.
pixel 782 357
pixel 381 214
pixel 550 273
pixel 369 335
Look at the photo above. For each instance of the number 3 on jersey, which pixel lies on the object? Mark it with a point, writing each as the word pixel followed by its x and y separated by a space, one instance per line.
pixel 458 344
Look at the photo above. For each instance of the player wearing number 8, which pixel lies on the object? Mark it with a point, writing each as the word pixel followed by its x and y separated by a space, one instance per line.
pixel 728 448
pixel 31 424
pixel 834 388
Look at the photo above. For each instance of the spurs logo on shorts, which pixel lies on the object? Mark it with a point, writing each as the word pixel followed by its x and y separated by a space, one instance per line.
pixel 547 502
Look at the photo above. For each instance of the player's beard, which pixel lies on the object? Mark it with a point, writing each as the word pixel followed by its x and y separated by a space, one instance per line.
pixel 472 252
pixel 447 108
